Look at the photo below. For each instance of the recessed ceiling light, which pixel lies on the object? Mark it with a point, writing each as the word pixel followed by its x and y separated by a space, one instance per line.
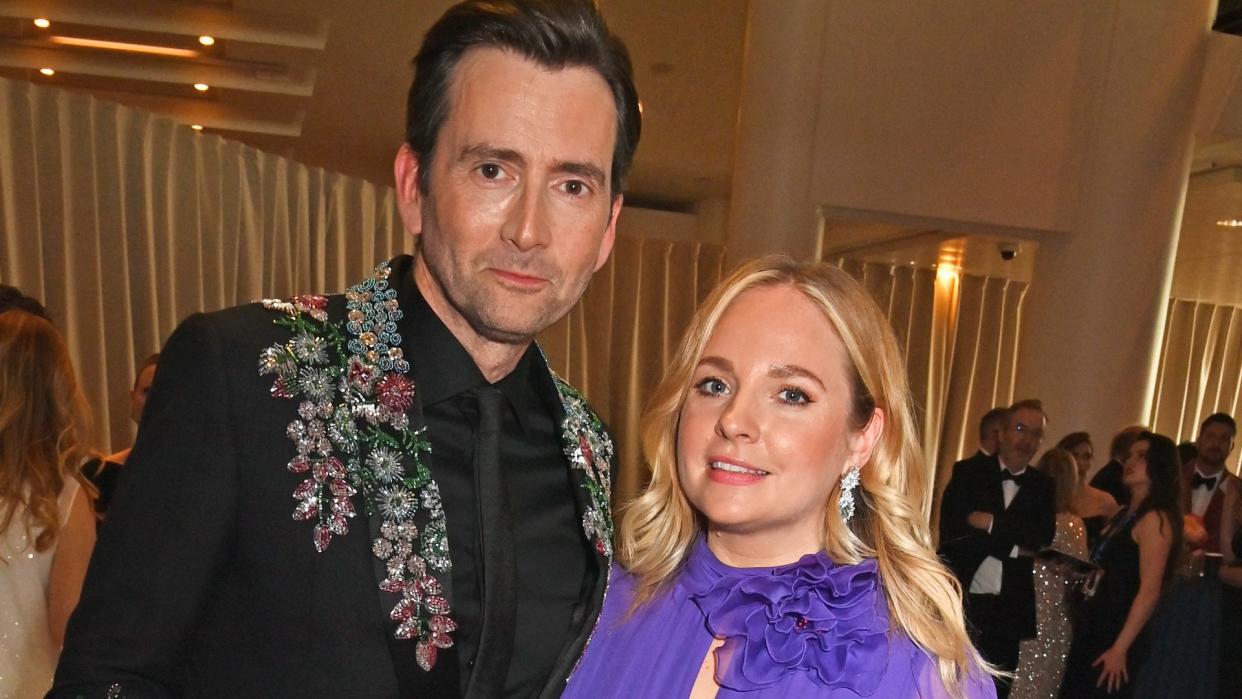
pixel 202 87
pixel 1230 223
pixel 42 22
pixel 196 127
pixel 47 71
pixel 207 40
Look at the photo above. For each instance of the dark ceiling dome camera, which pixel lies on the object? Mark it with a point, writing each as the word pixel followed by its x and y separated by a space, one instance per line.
pixel 1009 250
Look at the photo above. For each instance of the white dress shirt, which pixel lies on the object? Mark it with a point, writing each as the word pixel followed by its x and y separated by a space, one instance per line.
pixel 987 580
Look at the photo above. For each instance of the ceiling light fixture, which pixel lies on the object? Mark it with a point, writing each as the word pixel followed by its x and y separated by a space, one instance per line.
pixel 207 40
pixel 42 22
pixel 47 71
pixel 1230 223
pixel 196 127
pixel 202 87
pixel 122 46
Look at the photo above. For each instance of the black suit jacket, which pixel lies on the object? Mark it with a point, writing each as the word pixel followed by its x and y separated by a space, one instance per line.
pixel 1029 522
pixel 202 583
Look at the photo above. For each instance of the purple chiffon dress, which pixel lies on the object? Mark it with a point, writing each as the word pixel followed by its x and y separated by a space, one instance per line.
pixel 809 629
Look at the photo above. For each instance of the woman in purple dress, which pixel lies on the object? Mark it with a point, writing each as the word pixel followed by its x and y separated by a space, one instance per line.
pixel 781 549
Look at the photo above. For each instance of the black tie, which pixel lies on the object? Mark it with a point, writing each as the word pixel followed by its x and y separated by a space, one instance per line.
pixel 1201 482
pixel 1007 475
pixel 491 666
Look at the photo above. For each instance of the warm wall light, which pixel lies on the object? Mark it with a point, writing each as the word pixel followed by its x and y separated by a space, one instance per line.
pixel 47 71
pixel 42 22
pixel 1230 223
pixel 196 127
pixel 207 40
pixel 202 87
pixel 946 274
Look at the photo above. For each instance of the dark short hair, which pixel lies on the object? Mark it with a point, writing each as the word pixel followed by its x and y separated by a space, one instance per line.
pixel 151 360
pixel 994 419
pixel 12 298
pixel 1220 419
pixel 553 33
pixel 1026 404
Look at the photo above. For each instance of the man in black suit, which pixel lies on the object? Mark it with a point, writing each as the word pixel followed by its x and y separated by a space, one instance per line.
pixel 387 493
pixel 991 426
pixel 996 513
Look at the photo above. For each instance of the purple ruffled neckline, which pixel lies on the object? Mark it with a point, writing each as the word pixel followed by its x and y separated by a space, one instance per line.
pixel 812 616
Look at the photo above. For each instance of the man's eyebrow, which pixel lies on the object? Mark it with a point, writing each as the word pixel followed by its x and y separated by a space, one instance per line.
pixel 789 371
pixel 588 171
pixel 486 151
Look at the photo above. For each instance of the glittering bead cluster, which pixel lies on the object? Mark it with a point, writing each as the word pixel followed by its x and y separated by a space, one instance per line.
pixel 589 449
pixel 353 435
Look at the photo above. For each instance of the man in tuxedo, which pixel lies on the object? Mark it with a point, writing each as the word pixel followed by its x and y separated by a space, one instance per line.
pixel 995 514
pixel 387 493
pixel 1206 480
pixel 991 425
pixel 1108 478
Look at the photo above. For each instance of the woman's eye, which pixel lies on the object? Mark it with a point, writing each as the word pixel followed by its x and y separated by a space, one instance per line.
pixel 794 396
pixel 711 386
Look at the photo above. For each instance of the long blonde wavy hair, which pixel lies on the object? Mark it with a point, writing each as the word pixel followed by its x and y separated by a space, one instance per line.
pixel 44 425
pixel 659 527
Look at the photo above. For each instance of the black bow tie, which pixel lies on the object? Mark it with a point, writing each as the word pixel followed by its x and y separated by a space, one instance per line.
pixel 1018 479
pixel 1201 482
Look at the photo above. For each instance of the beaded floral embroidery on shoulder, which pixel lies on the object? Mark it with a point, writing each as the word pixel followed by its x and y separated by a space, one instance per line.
pixel 589 449
pixel 352 436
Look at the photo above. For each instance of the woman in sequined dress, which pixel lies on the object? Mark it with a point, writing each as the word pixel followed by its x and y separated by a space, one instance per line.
pixel 1041 660
pixel 47 528
pixel 780 549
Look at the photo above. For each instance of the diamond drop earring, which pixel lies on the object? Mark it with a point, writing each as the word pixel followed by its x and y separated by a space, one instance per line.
pixel 845 503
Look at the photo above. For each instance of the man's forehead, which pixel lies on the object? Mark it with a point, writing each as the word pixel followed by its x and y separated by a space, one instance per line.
pixel 1028 417
pixel 497 87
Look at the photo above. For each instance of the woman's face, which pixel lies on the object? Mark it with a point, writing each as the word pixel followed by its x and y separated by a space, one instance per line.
pixel 1083 454
pixel 1134 471
pixel 763 433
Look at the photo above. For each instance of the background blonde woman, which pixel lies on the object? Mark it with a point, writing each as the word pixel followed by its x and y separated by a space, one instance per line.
pixel 47 529
pixel 1041 660
pixel 780 550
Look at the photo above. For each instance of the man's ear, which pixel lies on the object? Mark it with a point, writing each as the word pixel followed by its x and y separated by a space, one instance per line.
pixel 610 233
pixel 409 197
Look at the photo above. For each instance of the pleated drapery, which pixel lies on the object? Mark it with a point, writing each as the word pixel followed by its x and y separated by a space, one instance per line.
pixel 1200 369
pixel 123 223
pixel 615 344
pixel 959 335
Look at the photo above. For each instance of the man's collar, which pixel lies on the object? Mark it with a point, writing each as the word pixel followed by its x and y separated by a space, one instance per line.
pixel 442 367
pixel 1201 474
pixel 985 452
pixel 1001 461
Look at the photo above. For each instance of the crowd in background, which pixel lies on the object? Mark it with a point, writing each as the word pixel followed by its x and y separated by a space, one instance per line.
pixel 1113 582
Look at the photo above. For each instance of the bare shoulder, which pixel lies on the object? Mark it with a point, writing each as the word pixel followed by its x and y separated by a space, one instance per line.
pixel 1153 525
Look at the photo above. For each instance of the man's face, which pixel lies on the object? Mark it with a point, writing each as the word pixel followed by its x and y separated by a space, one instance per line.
pixel 518 213
pixel 1022 437
pixel 138 396
pixel 1215 442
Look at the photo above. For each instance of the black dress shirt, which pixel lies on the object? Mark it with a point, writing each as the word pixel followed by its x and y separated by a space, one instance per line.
pixel 554 574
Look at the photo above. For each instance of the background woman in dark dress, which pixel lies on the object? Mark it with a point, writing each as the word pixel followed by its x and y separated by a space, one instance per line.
pixel 1135 552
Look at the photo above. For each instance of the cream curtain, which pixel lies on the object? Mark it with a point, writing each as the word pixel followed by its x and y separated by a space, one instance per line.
pixel 959 334
pixel 615 343
pixel 1200 370
pixel 123 223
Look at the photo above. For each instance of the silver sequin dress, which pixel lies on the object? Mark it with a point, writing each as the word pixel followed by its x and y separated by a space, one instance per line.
pixel 1041 660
